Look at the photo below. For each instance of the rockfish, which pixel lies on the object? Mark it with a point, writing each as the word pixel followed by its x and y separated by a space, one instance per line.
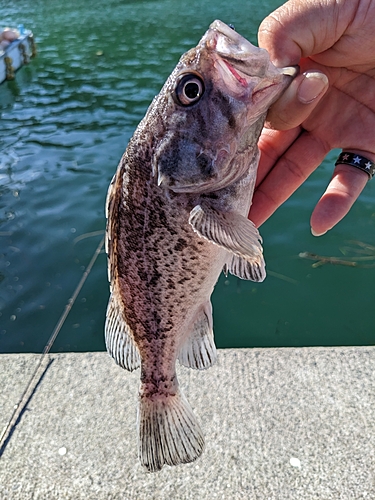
pixel 176 217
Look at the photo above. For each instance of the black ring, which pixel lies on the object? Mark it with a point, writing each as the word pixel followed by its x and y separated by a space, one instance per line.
pixel 357 161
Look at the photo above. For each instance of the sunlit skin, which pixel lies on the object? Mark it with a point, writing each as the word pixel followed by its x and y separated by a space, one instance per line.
pixel 325 37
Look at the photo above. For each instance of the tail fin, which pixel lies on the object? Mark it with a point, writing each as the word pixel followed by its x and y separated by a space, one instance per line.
pixel 168 432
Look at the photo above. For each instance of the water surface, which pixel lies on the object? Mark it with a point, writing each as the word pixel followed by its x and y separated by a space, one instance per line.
pixel 64 124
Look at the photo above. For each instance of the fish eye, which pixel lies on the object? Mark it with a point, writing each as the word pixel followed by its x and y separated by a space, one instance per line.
pixel 189 89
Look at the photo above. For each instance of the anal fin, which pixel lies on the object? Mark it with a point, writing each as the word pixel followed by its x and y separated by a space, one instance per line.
pixel 118 338
pixel 237 234
pixel 198 350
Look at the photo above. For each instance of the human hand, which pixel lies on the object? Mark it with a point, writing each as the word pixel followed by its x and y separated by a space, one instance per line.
pixel 311 118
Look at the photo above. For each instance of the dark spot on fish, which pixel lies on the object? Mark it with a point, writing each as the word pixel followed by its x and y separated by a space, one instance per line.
pixel 201 122
pixel 171 284
pixel 211 196
pixel 142 275
pixel 226 108
pixel 180 245
pixel 163 220
pixel 205 165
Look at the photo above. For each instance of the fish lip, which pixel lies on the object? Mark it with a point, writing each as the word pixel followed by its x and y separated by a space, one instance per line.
pixel 244 51
pixel 244 47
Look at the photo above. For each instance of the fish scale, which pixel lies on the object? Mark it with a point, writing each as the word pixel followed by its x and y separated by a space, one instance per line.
pixel 176 217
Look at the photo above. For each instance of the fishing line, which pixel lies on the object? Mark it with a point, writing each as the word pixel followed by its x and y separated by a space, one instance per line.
pixel 34 381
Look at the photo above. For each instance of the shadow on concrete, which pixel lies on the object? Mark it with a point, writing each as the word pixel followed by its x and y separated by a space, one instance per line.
pixel 21 407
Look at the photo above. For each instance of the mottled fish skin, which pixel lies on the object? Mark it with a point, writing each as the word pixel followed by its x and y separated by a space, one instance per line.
pixel 177 215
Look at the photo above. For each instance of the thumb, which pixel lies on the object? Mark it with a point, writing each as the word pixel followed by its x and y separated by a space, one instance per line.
pixel 302 28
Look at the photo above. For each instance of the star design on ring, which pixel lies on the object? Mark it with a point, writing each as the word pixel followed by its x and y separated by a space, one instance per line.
pixel 368 165
pixel 345 157
pixel 357 160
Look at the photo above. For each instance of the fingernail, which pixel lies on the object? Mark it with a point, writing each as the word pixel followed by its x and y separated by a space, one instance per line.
pixel 314 233
pixel 312 86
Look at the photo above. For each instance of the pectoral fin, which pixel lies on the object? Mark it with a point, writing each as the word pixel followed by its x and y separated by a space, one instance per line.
pixel 245 270
pixel 237 234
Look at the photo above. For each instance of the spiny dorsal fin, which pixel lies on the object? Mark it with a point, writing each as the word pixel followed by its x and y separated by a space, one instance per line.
pixel 235 233
pixel 198 350
pixel 118 338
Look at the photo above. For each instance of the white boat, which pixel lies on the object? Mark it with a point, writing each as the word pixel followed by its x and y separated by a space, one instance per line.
pixel 18 53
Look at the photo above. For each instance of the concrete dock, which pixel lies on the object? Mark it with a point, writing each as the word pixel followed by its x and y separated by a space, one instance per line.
pixel 279 424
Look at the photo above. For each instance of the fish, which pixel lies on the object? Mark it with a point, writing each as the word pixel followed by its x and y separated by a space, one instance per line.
pixel 176 214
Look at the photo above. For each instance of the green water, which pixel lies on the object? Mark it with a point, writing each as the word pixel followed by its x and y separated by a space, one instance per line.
pixel 64 123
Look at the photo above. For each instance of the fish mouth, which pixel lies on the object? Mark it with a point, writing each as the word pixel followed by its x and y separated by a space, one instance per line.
pixel 232 43
pixel 242 60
